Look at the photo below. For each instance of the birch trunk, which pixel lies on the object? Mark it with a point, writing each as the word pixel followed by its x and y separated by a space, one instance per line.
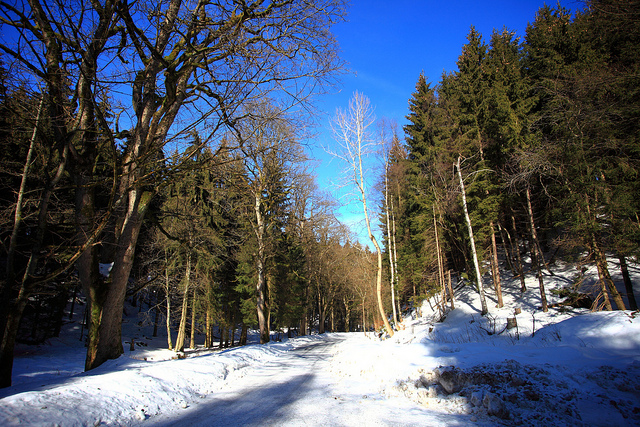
pixel 395 251
pixel 483 302
pixel 361 186
pixel 495 266
pixel 391 264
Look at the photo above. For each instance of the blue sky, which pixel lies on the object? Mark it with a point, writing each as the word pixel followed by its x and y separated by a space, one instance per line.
pixel 387 44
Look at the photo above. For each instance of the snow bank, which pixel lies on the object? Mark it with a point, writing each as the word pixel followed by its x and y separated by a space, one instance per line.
pixel 129 389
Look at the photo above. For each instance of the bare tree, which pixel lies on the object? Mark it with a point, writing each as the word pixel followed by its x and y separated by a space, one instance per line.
pixel 351 130
pixel 186 65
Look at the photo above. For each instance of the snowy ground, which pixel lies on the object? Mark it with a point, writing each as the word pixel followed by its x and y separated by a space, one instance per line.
pixel 557 368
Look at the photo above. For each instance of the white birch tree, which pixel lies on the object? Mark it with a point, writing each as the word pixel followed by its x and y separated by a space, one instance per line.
pixel 351 131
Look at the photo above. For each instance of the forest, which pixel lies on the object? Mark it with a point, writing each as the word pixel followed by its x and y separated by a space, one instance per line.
pixel 155 151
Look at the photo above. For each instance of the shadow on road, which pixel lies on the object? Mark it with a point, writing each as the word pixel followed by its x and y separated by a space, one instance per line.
pixel 255 407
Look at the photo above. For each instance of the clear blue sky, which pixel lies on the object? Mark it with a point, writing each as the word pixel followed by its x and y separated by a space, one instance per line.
pixel 388 43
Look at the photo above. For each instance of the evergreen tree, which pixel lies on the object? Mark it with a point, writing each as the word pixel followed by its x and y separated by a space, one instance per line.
pixel 581 116
pixel 424 147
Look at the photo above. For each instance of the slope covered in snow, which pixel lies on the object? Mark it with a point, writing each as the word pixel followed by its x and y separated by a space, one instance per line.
pixel 564 367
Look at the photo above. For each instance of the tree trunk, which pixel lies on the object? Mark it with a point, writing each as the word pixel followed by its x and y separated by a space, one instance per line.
pixel 395 252
pixel 483 302
pixel 185 306
pixel 453 307
pixel 233 333
pixel 260 286
pixel 347 311
pixel 243 334
pixel 495 266
pixel 440 266
pixel 168 302
pixel 208 338
pixel 516 250
pixel 332 319
pixel 534 258
pixel 627 283
pixel 93 285
pixel 390 247
pixel 305 313
pixel 192 338
pixel 508 256
pixel 267 307
pixel 9 337
pixel 364 319
pixel 108 328
pixel 224 336
pixel 383 315
pixel 322 314
pixel 605 278
pixel 156 318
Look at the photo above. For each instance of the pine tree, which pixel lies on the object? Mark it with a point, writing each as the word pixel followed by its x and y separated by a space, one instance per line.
pixel 422 173
pixel 580 115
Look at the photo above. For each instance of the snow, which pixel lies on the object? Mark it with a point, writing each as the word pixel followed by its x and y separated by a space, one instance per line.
pixel 564 367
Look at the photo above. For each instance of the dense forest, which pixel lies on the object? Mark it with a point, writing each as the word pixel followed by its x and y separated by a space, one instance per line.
pixel 154 151
pixel 530 150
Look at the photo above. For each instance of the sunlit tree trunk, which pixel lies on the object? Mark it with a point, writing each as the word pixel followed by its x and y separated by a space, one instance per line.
pixel 390 246
pixel 167 293
pixel 395 251
pixel 347 310
pixel 192 338
pixel 182 329
pixel 350 129
pixel 474 254
pixel 495 267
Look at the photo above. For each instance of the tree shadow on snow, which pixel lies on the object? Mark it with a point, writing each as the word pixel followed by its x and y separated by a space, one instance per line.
pixel 260 406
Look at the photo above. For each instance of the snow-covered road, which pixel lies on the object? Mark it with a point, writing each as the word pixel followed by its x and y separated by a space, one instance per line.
pixel 563 367
pixel 300 388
